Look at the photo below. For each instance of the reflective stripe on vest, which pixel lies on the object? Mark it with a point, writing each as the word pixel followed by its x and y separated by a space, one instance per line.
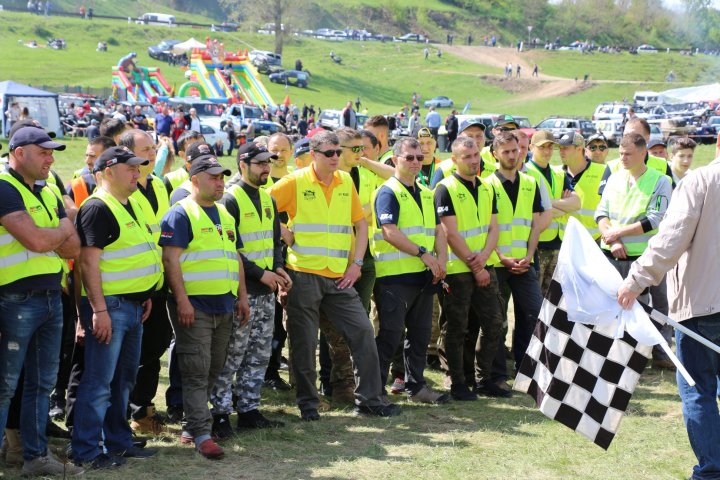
pixel 515 224
pixel 256 229
pixel 209 264
pixel 557 227
pixel 418 225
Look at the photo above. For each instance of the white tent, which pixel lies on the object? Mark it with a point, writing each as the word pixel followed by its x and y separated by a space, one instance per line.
pixel 42 105
pixel 691 94
pixel 187 46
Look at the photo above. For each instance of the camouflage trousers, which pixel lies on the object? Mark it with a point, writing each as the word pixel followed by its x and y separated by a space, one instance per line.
pixel 247 359
pixel 547 260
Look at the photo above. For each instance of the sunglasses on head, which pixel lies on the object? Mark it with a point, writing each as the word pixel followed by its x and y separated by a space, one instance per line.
pixel 355 149
pixel 592 148
pixel 330 153
pixel 412 158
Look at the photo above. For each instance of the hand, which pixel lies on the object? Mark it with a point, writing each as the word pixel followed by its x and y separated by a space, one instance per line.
pixel 270 280
pixel 102 327
pixel 79 333
pixel 242 309
pixel 566 193
pixel 287 236
pixel 475 262
pixel 285 280
pixel 282 297
pixel 185 312
pixel 352 274
pixel 618 250
pixel 147 308
pixel 626 297
pixel 611 236
pixel 482 278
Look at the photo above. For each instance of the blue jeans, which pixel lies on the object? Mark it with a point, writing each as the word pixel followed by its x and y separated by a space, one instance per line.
pixel 108 378
pixel 699 403
pixel 30 334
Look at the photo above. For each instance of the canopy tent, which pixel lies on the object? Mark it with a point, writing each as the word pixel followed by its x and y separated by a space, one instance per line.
pixel 42 105
pixel 691 94
pixel 187 46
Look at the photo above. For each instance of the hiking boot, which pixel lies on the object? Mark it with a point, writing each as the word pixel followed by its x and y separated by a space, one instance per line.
pixel 210 450
pixel 174 413
pixel 309 415
pixel 277 384
pixel 427 395
pixel 389 410
pixel 13 448
pixel 462 392
pixel 48 464
pixel 398 386
pixel 255 419
pixel 151 423
pixel 221 427
pixel 344 395
pixel 490 389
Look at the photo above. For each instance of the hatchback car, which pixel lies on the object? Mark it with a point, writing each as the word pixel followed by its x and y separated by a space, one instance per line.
pixel 439 102
pixel 162 50
pixel 291 77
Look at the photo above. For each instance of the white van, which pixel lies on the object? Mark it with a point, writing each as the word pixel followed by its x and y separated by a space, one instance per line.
pixel 160 19
pixel 643 99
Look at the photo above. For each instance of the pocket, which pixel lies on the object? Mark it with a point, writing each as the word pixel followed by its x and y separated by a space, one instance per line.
pixel 710 329
pixel 14 297
pixel 191 359
pixel 112 303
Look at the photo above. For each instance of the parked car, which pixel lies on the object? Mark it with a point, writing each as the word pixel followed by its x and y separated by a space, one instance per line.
pixel 525 125
pixel 225 27
pixel 242 114
pixel 329 119
pixel 162 50
pixel 213 133
pixel 439 102
pixel 291 77
pixel 559 126
pixel 160 19
pixel 269 28
pixel 610 110
pixel 411 37
pixel 612 129
pixel 714 122
pixel 266 127
pixel 265 61
pixel 645 48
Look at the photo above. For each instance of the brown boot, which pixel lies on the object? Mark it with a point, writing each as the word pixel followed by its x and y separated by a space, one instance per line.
pixel 151 424
pixel 343 395
pixel 14 450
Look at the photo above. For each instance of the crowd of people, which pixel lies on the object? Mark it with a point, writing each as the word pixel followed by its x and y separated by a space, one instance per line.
pixel 384 257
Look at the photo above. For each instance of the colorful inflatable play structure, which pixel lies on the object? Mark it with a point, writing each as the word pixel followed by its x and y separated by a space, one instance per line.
pixel 224 77
pixel 138 84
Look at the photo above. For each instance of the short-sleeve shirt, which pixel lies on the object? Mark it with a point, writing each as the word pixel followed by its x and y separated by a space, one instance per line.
pixel 443 200
pixel 512 188
pixel 176 231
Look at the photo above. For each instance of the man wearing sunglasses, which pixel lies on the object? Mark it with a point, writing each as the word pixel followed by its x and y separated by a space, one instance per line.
pixel 596 148
pixel 324 262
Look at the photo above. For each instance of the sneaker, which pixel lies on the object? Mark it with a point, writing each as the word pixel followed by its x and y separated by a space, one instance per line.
pixel 151 423
pixel 255 419
pixel 503 385
pixel 389 410
pixel 490 389
pixel 398 386
pixel 427 395
pixel 309 415
pixel 462 393
pixel 135 452
pixel 174 414
pixel 277 384
pixel 103 462
pixel 221 427
pixel 186 438
pixel 211 450
pixel 49 464
pixel 57 409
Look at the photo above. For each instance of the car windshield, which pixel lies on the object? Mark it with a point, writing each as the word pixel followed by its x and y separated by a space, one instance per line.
pixel 204 109
pixel 523 122
pixel 252 111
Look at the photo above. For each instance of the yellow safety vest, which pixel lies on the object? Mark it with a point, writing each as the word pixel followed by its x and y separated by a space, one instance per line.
pixel 557 227
pixel 448 168
pixel 210 263
pixel 626 207
pixel 256 230
pixel 368 184
pixel 514 225
pixel 132 263
pixel 418 225
pixel 176 177
pixel 473 220
pixel 323 233
pixel 656 163
pixel 17 262
pixel 587 189
pixel 154 217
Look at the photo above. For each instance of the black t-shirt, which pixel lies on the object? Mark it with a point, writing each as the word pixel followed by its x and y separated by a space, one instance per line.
pixel 512 188
pixel 138 120
pixel 574 179
pixel 443 200
pixel 12 202
pixel 149 193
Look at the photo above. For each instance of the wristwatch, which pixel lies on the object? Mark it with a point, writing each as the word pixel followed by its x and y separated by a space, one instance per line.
pixel 421 251
pixel 358 262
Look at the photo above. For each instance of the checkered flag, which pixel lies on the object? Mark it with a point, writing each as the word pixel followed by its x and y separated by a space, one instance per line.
pixel 580 374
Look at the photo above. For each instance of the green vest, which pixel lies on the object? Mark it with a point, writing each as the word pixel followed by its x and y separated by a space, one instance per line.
pixel 416 224
pixel 557 227
pixel 176 177
pixel 626 207
pixel 17 262
pixel 514 224
pixel 256 230
pixel 210 263
pixel 473 220
pixel 323 233
pixel 132 263
pixel 587 189
pixel 154 217
pixel 51 182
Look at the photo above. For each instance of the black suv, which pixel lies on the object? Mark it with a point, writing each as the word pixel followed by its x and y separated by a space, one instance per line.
pixel 291 77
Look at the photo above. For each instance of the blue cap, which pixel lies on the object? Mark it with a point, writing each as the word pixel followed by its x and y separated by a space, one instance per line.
pixel 471 122
pixel 33 136
pixel 302 147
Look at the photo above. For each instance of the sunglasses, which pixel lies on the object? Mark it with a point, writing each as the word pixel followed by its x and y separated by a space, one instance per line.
pixel 265 163
pixel 356 148
pixel 330 153
pixel 412 158
pixel 592 148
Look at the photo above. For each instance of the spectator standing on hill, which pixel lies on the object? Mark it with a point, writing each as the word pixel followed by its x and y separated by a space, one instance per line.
pixel 426 52
pixel 517 75
pixel 535 70
pixel 451 125
pixel 348 117
pixel 433 120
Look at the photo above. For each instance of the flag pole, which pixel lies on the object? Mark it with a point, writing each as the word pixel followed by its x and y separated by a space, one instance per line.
pixel 662 318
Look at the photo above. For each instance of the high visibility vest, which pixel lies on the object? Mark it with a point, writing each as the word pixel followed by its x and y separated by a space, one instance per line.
pixel 656 163
pixel 153 217
pixel 385 156
pixel 79 173
pixel 368 184
pixel 256 230
pixel 271 182
pixel 417 224
pixel 80 188
pixel 587 189
pixel 514 224
pixel 448 168
pixel 323 233
pixel 132 263
pixel 176 177
pixel 557 227
pixel 16 261
pixel 626 207
pixel 210 263
pixel 473 220
pixel 51 182
pixel 487 156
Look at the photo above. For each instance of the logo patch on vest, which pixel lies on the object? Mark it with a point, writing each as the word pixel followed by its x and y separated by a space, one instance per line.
pixel 206 230
pixel 230 235
pixel 268 212
pixel 36 209
pixel 309 194
pixel 343 194
pixel 130 225
pixel 461 196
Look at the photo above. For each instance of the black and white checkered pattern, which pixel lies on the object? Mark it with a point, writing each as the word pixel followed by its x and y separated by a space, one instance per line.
pixel 578 374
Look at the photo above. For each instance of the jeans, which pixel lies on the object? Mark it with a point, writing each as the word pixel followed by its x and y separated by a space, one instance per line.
pixel 30 334
pixel 699 403
pixel 108 377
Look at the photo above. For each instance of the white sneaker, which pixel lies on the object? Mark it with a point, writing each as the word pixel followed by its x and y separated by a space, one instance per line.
pixel 49 464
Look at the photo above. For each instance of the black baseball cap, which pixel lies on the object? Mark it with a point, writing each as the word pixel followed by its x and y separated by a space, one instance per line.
pixel 571 138
pixel 302 147
pixel 599 137
pixel 655 142
pixel 253 151
pixel 208 164
pixel 505 120
pixel 28 123
pixel 197 150
pixel 32 135
pixel 471 122
pixel 114 155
